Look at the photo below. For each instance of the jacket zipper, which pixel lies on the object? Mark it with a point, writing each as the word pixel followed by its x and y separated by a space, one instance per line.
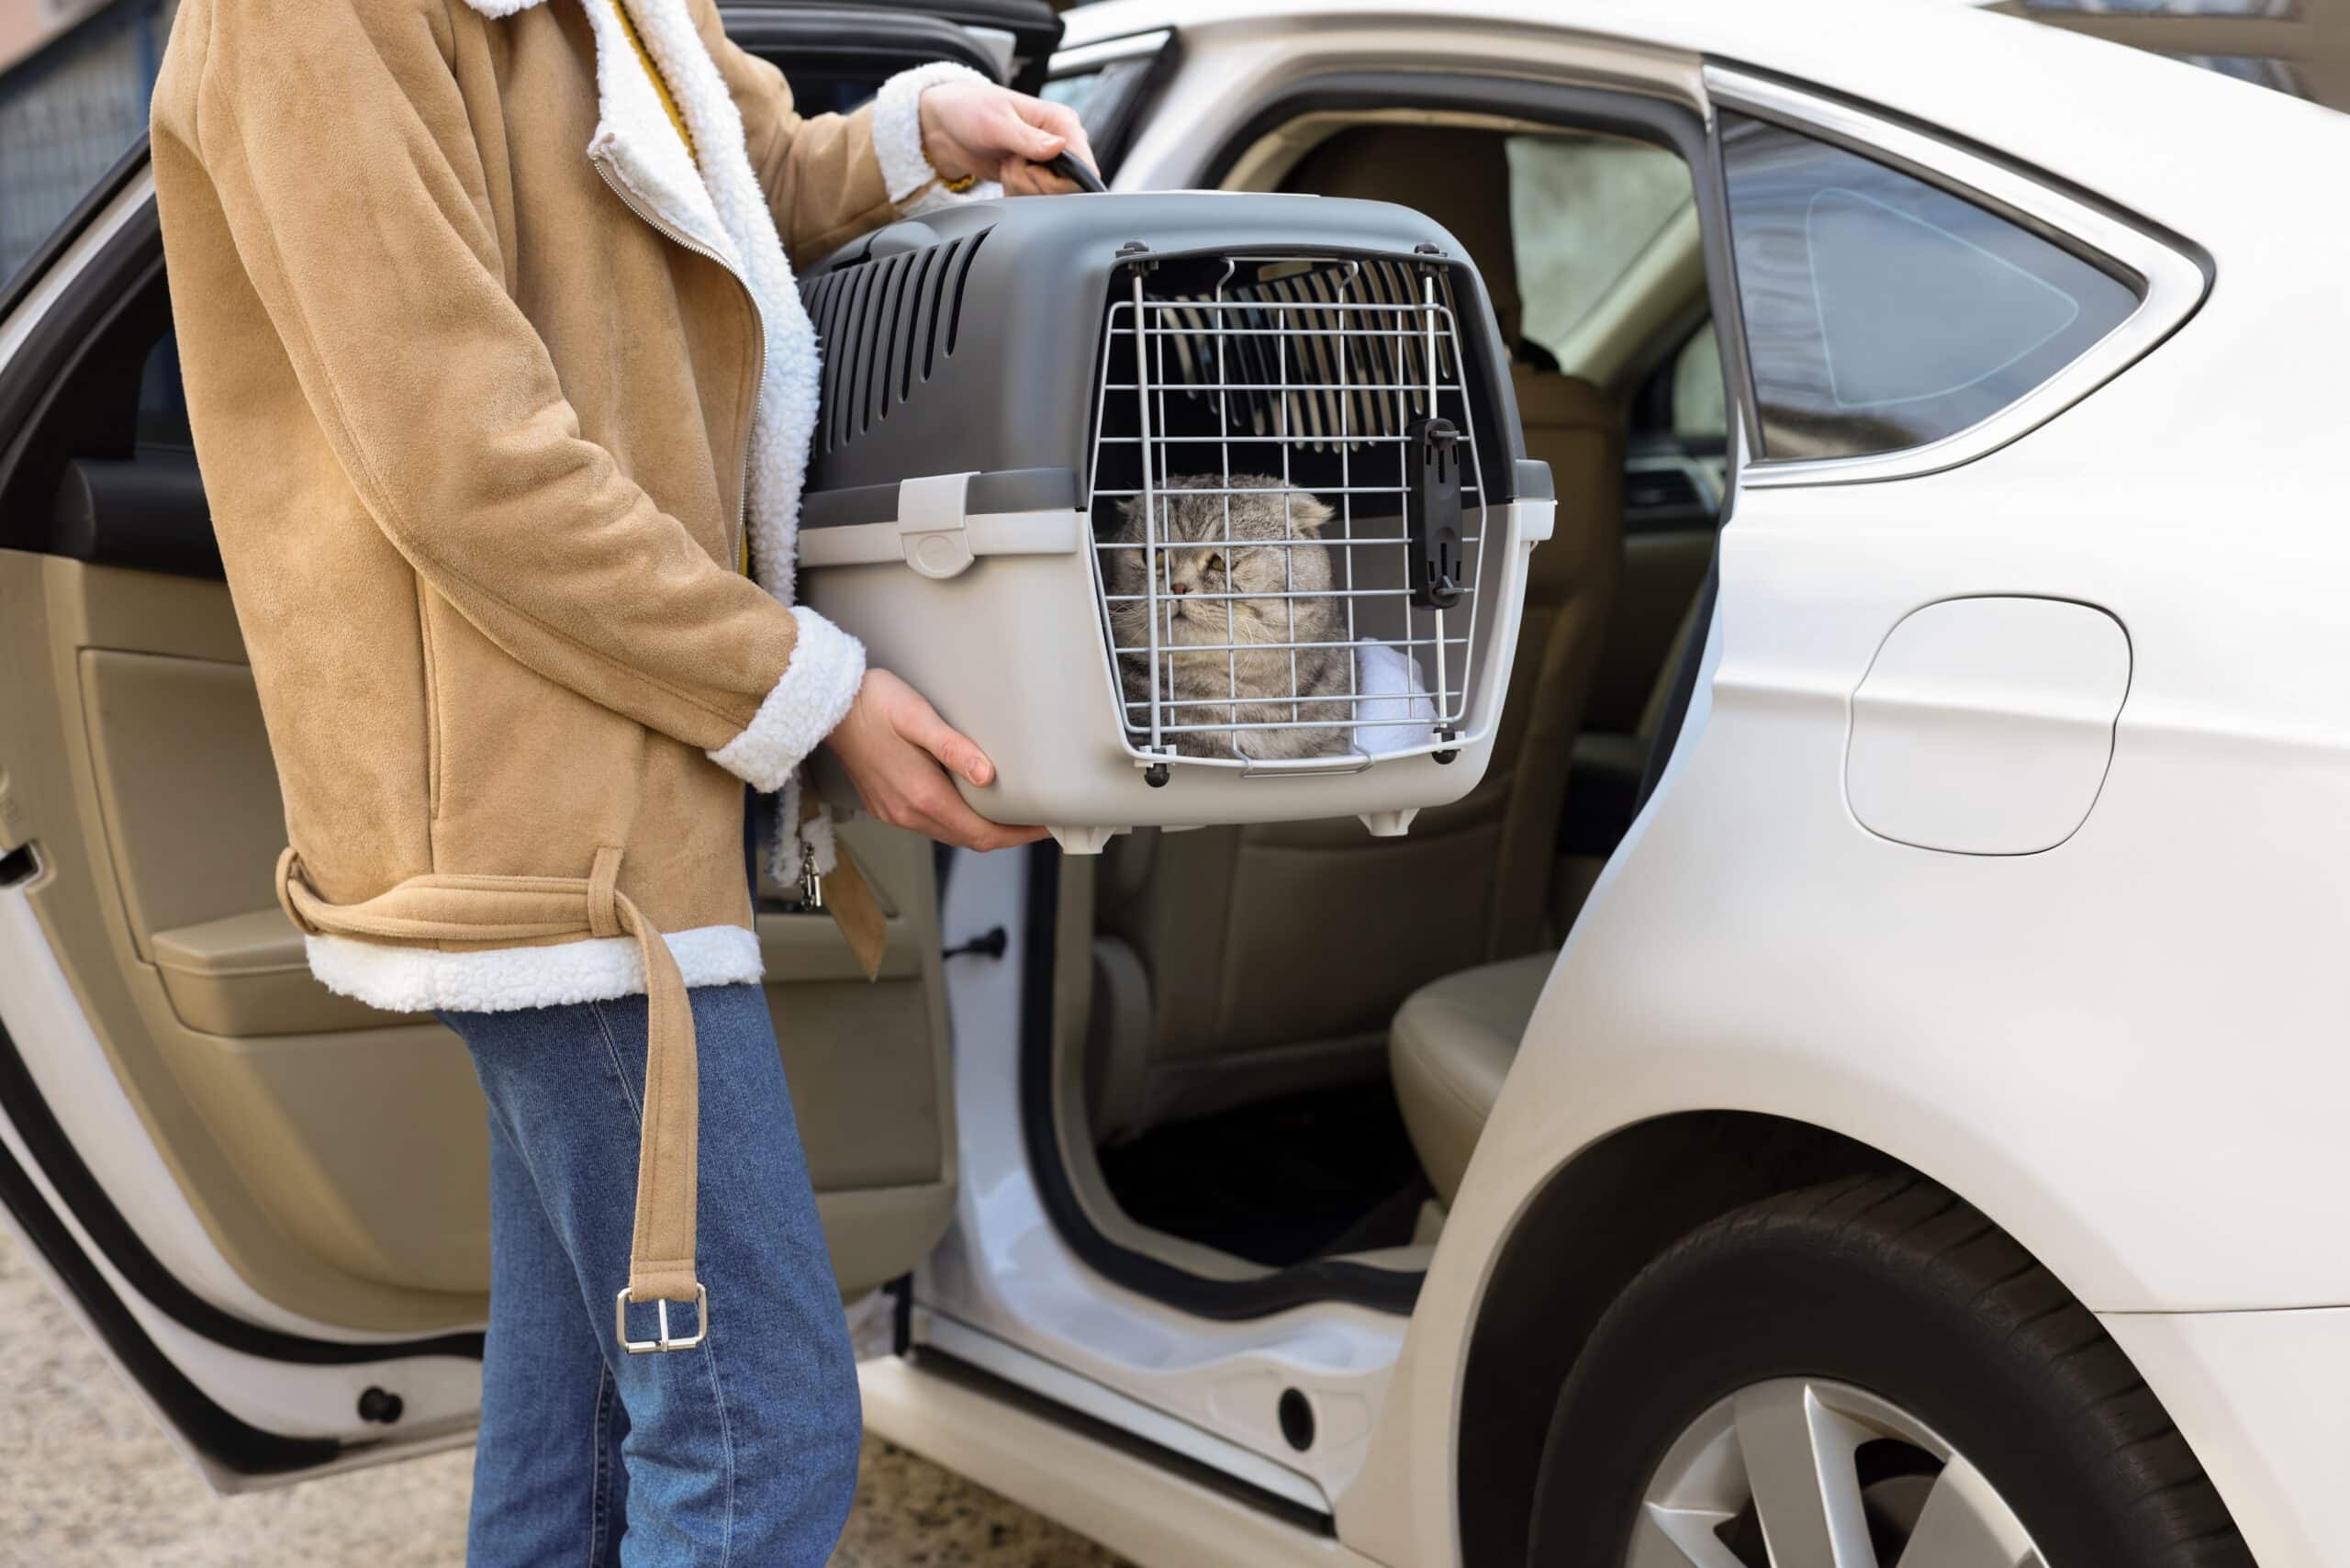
pixel 676 236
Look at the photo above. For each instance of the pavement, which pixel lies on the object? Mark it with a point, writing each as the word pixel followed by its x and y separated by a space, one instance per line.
pixel 88 1481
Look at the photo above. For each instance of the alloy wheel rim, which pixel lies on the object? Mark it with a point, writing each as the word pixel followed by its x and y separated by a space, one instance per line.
pixel 1801 1472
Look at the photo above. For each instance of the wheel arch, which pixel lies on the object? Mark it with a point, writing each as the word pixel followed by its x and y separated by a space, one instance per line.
pixel 1591 1226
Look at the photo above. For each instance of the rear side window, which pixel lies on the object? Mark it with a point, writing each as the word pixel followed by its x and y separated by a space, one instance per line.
pixel 1883 312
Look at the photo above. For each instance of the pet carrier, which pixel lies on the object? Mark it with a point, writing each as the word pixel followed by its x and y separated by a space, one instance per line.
pixel 1189 509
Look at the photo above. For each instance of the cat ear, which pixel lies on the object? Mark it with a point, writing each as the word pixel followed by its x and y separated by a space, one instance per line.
pixel 1307 513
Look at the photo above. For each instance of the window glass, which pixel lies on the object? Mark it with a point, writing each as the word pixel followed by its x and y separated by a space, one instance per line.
pixel 1700 419
pixel 1106 98
pixel 1583 209
pixel 69 110
pixel 1077 89
pixel 1883 312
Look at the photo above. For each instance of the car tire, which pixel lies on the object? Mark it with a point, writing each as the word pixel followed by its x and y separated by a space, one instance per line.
pixel 1874 1294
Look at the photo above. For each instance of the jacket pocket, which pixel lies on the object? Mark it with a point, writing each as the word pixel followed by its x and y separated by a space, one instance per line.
pixel 424 636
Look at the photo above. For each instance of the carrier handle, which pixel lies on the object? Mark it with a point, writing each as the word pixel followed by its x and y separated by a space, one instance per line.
pixel 1066 165
pixel 1356 761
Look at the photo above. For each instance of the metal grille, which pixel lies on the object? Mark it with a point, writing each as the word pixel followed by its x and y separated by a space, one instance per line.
pixel 1296 383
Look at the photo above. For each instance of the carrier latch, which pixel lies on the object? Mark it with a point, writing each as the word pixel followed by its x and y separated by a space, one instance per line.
pixel 931 515
pixel 1432 510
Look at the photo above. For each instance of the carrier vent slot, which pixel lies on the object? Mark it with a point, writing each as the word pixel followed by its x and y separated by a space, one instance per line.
pixel 962 274
pixel 883 328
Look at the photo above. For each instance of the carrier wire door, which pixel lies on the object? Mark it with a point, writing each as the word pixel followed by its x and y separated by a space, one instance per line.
pixel 1334 378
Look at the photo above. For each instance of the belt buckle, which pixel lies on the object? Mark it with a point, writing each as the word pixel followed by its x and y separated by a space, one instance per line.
pixel 664 1342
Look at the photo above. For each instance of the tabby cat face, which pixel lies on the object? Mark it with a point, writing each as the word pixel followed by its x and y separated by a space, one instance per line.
pixel 1248 555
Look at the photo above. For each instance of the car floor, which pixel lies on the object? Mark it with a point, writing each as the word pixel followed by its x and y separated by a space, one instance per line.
pixel 1278 1183
pixel 87 1479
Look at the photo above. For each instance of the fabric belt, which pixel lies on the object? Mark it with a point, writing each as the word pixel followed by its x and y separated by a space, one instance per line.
pixel 490 909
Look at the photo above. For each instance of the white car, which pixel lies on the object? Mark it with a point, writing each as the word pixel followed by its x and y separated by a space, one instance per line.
pixel 1858 1083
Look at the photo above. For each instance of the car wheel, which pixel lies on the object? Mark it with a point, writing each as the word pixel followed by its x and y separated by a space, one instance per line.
pixel 1868 1374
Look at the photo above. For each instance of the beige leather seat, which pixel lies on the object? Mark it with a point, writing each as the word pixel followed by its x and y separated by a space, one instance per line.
pixel 1451 1046
pixel 1235 964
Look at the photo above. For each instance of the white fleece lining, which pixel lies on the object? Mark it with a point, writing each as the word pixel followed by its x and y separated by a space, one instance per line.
pixel 811 698
pixel 897 125
pixel 635 141
pixel 501 980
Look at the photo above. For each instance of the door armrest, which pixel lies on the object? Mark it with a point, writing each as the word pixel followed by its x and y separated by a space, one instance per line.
pixel 247 975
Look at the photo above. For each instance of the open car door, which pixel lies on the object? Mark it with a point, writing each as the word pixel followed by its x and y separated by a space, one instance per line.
pixel 269 1201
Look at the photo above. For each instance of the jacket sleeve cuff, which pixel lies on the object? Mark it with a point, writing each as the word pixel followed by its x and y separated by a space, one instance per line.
pixel 897 139
pixel 806 704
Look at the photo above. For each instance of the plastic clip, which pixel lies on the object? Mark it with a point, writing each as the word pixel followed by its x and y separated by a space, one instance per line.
pixel 1432 510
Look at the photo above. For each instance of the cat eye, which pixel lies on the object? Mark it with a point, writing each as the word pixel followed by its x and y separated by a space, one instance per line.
pixel 1215 563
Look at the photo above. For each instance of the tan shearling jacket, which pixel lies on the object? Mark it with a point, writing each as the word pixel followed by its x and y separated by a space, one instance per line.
pixel 494 379
pixel 490 376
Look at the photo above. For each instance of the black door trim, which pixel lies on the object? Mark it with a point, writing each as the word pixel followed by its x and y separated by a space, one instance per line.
pixel 928 1360
pixel 1222 1301
pixel 221 1436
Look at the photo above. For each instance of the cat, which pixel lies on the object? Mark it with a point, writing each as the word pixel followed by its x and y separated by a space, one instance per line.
pixel 1197 632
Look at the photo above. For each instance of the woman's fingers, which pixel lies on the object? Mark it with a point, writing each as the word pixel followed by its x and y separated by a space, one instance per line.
pixel 912 717
pixel 945 815
pixel 894 746
pixel 1037 130
pixel 1062 121
pixel 949 821
pixel 1045 131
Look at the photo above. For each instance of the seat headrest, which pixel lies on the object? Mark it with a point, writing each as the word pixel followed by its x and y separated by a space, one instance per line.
pixel 1457 176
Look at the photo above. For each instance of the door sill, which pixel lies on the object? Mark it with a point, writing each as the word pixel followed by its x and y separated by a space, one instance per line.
pixel 1147 1504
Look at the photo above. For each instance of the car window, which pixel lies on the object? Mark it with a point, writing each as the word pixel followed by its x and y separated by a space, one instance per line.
pixel 1883 312
pixel 1077 89
pixel 1583 209
pixel 69 110
pixel 1109 94
pixel 1103 97
pixel 1700 419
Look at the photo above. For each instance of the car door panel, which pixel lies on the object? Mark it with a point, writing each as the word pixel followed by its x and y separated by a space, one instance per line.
pixel 351 1138
pixel 325 1163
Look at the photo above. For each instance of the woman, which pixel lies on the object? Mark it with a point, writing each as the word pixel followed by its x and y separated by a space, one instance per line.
pixel 500 386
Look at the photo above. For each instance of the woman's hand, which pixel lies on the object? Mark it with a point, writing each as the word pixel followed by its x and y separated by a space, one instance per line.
pixel 894 746
pixel 994 133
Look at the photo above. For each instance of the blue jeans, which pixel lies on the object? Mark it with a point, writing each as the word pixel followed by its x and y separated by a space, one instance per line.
pixel 740 1451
